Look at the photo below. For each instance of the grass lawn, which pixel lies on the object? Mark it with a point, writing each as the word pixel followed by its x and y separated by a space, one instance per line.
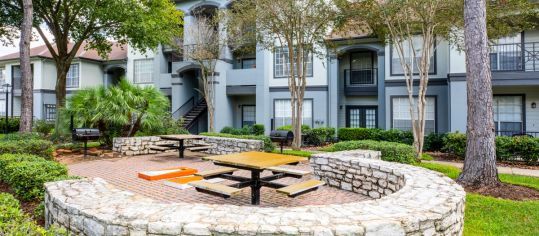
pixel 300 153
pixel 492 216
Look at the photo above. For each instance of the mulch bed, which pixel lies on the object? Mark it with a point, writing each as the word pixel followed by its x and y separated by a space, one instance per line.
pixel 68 157
pixel 507 191
pixel 27 207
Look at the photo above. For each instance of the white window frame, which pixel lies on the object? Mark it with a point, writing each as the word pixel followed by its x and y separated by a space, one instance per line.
pixel 73 79
pixel 281 60
pixel 400 110
pixel 507 111
pixel 2 77
pixel 148 74
pixel 395 60
pixel 282 112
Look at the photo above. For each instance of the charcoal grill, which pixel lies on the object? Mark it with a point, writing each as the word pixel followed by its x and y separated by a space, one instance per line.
pixel 283 137
pixel 85 135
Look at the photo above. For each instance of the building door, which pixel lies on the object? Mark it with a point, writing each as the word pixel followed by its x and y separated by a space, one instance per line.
pixel 248 115
pixel 361 117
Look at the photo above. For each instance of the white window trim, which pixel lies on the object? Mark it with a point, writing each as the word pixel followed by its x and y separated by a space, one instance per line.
pixel 285 70
pixel 134 71
pixel 434 117
pixel 311 114
pixel 80 74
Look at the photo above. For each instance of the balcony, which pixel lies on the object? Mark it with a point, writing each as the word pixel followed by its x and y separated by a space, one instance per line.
pixel 361 81
pixel 514 57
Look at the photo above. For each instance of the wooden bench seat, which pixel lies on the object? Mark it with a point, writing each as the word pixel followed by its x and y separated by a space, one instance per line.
pixel 296 173
pixel 216 172
pixel 215 189
pixel 297 189
pixel 160 148
pixel 198 148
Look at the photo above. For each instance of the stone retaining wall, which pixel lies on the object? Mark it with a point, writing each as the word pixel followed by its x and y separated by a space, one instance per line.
pixel 345 171
pixel 133 146
pixel 427 203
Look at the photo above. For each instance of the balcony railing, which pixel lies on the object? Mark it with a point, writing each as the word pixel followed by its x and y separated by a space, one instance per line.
pixel 515 57
pixel 361 77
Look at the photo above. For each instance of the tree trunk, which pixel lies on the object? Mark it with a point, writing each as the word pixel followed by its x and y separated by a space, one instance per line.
pixel 480 162
pixel 27 83
pixel 61 72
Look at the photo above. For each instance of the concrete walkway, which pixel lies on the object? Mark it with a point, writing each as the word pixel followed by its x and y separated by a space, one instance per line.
pixel 501 169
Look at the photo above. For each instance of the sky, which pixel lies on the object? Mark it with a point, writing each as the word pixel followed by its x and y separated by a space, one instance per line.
pixel 15 48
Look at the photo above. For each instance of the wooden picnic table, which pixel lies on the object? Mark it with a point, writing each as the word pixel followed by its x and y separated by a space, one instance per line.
pixel 255 162
pixel 181 139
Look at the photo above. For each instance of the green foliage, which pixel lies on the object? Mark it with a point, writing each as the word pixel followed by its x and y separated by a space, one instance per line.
pixel 14 222
pixel 455 143
pixel 304 128
pixel 169 125
pixel 27 177
pixel 120 110
pixel 44 127
pixel 268 145
pixel 319 136
pixel 396 152
pixel 6 159
pixel 434 142
pixel 392 135
pixel 12 124
pixel 503 148
pixel 42 148
pixel 256 129
pixel 20 137
pixel 426 157
pixel 526 148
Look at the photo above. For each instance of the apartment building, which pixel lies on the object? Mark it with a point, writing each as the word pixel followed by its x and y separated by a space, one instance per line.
pixel 88 69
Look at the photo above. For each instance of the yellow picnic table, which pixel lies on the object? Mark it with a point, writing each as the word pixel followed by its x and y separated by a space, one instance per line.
pixel 255 162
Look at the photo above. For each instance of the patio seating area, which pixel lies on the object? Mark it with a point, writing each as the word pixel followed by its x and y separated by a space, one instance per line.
pixel 122 173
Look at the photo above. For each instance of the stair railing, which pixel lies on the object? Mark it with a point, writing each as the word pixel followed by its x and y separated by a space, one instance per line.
pixel 195 120
pixel 184 109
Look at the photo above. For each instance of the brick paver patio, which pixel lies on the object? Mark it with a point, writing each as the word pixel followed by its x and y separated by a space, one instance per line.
pixel 123 174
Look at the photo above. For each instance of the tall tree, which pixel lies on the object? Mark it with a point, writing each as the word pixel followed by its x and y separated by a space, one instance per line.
pixel 298 27
pixel 141 24
pixel 27 81
pixel 480 162
pixel 204 46
pixel 413 27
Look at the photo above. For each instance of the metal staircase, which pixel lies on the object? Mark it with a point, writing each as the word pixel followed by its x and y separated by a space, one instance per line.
pixel 190 112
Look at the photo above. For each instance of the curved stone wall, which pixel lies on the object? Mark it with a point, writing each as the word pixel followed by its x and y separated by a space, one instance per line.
pixel 424 203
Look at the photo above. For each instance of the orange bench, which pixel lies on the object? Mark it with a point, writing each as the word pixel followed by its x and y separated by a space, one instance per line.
pixel 167 173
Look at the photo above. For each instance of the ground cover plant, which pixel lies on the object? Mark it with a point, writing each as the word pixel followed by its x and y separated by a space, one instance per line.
pixel 486 215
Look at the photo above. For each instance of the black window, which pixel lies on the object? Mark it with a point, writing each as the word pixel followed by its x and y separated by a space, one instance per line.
pixel 361 117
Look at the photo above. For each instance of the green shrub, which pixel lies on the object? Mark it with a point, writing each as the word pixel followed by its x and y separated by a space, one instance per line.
pixel 503 148
pixel 20 136
pixel 319 136
pixel 43 127
pixel 526 148
pixel 347 134
pixel 42 148
pixel 434 142
pixel 426 157
pixel 391 151
pixel 6 159
pixel 304 128
pixel 14 222
pixel 169 125
pixel 268 145
pixel 27 177
pixel 455 143
pixel 397 136
pixel 258 129
pixel 12 124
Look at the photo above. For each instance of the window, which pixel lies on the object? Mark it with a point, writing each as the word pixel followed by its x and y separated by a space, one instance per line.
pixel 282 63
pixel 143 71
pixel 401 114
pixel 248 115
pixel 16 75
pixel 362 69
pixel 506 54
pixel 283 112
pixel 72 78
pixel 396 67
pixel 49 112
pixel 361 117
pixel 248 63
pixel 2 77
pixel 508 114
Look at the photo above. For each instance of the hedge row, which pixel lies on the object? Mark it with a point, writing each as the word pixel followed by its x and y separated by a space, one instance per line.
pixel 391 151
pixel 507 148
pixel 314 136
pixel 392 135
pixel 42 148
pixel 12 124
pixel 256 129
pixel 268 145
pixel 14 222
pixel 27 173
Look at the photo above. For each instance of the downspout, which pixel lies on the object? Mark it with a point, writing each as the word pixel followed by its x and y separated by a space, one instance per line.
pixel 328 76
